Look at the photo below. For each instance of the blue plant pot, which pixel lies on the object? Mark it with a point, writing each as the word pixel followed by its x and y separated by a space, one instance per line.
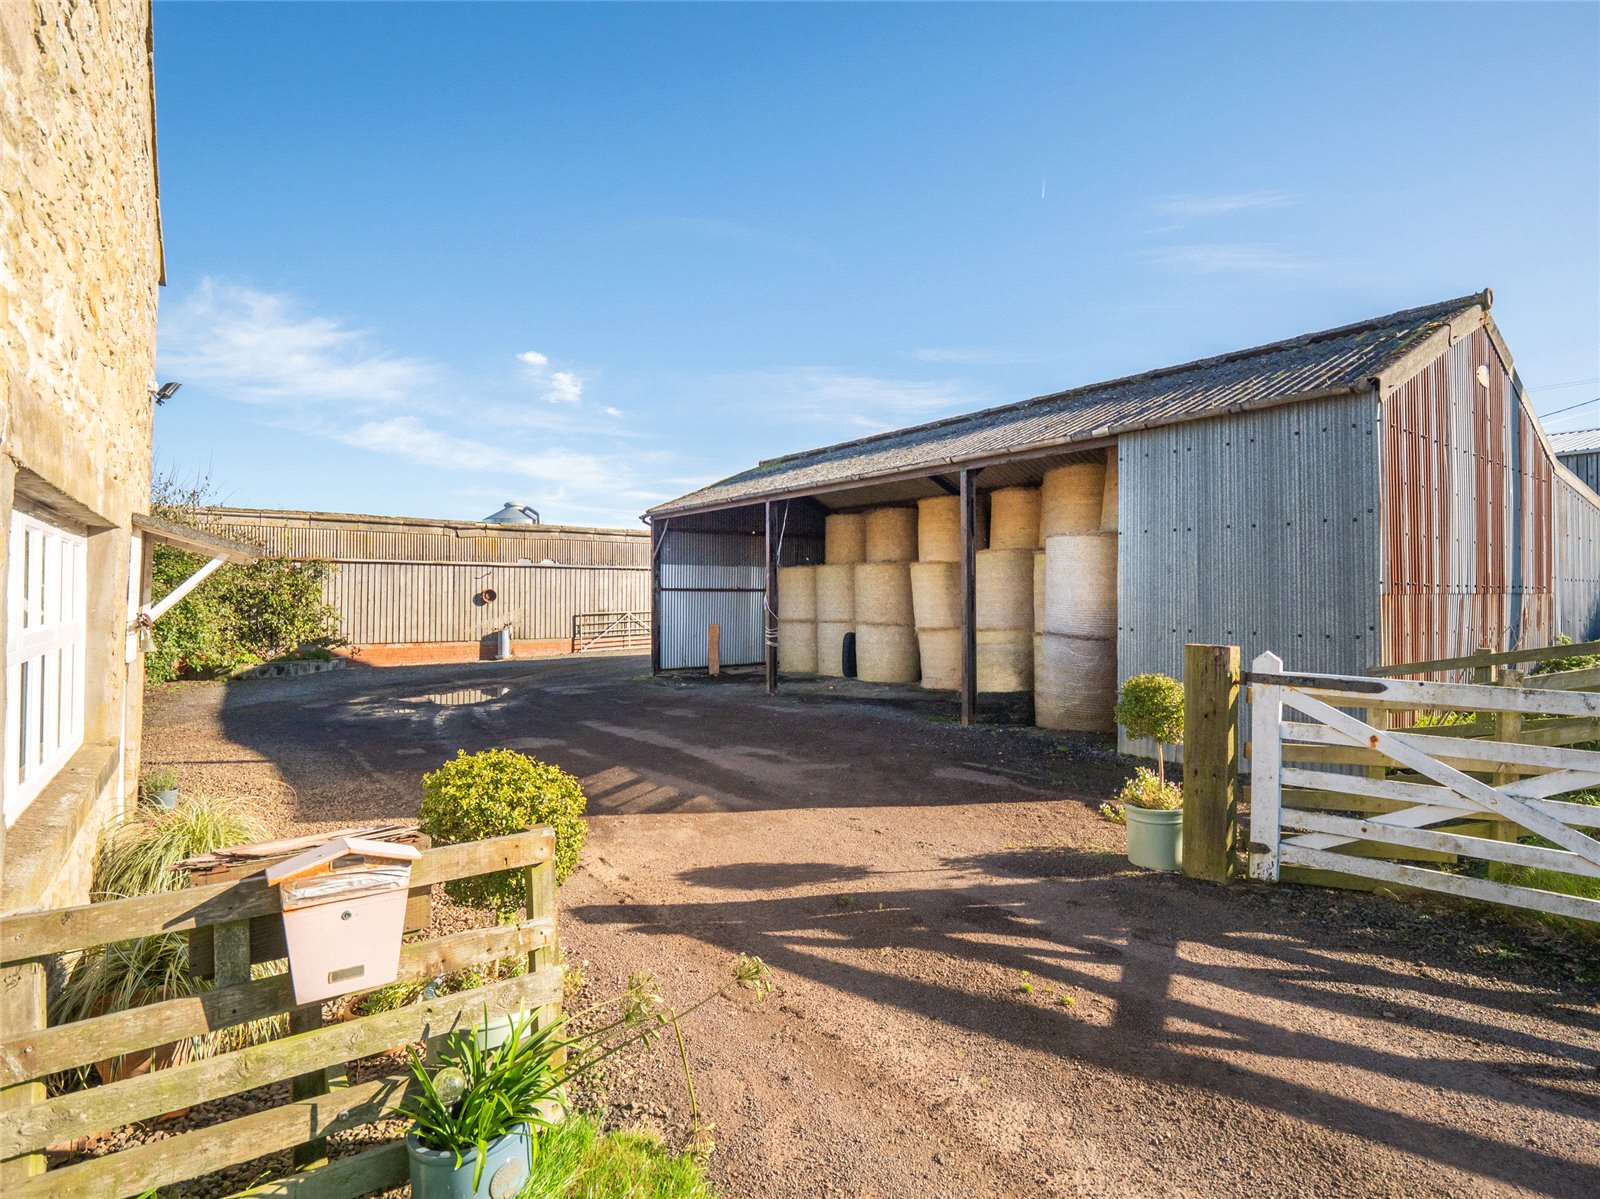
pixel 167 799
pixel 435 1175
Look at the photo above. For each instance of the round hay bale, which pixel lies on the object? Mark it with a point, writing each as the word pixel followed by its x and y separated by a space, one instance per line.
pixel 1071 499
pixel 1080 585
pixel 830 646
pixel 1038 591
pixel 883 593
pixel 1108 497
pixel 891 535
pixel 1005 660
pixel 1005 589
pixel 844 539
pixel 797 646
pixel 939 529
pixel 940 650
pixel 1075 683
pixel 936 595
pixel 1014 518
pixel 836 593
pixel 887 653
pixel 797 593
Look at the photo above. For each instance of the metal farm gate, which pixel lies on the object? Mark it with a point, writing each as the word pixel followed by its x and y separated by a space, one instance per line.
pixel 1431 790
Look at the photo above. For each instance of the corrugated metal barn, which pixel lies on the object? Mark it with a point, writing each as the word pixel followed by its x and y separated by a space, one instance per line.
pixel 1373 494
pixel 1579 451
pixel 411 590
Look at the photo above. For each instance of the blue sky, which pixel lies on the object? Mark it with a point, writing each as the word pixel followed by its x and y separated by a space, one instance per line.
pixel 425 258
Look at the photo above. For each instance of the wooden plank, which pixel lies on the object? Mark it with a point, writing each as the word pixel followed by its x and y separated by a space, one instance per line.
pixel 1456 752
pixel 1462 886
pixel 1266 772
pixel 769 608
pixel 1449 843
pixel 1567 680
pixel 969 596
pixel 304 1019
pixel 23 1009
pixel 36 1054
pixel 1559 732
pixel 144 1096
pixel 37 934
pixel 348 1178
pixel 152 1164
pixel 1506 658
pixel 1479 794
pixel 1358 692
pixel 1526 790
pixel 539 899
pixel 1210 760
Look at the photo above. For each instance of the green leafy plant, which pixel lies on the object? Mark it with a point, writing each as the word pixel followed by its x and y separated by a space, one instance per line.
pixel 495 793
pixel 1572 662
pixel 1151 706
pixel 478 1095
pixel 579 1160
pixel 1146 789
pixel 140 856
pixel 157 781
pixel 240 616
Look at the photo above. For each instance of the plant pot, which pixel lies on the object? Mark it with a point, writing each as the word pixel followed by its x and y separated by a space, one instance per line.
pixel 1155 837
pixel 166 799
pixel 496 1031
pixel 435 1175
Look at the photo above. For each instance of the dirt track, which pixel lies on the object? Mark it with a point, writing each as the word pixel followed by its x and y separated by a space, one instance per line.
pixel 975 996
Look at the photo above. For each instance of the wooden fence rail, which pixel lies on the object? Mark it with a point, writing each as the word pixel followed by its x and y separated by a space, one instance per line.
pixel 30 1051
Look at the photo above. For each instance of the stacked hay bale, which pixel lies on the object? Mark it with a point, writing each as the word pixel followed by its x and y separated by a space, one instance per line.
pixel 797 619
pixel 1076 682
pixel 843 547
pixel 936 591
pixel 886 640
pixel 1005 619
pixel 1014 518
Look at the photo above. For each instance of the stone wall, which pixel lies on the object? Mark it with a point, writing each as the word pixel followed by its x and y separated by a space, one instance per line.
pixel 78 280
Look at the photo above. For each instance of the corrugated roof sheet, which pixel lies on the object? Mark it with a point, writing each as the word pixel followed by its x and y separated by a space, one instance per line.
pixel 1312 364
pixel 1575 441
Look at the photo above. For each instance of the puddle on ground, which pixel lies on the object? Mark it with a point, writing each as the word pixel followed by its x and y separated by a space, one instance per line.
pixel 456 699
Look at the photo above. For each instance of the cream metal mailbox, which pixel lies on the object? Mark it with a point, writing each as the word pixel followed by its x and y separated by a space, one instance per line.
pixel 344 909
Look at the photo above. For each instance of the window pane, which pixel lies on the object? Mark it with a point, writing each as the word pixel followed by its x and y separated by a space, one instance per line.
pixel 23 708
pixel 27 576
pixel 39 719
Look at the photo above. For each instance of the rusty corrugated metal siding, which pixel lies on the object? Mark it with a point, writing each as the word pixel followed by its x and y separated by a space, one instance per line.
pixel 1585 465
pixel 706 579
pixel 382 603
pixel 1257 530
pixel 341 537
pixel 1467 494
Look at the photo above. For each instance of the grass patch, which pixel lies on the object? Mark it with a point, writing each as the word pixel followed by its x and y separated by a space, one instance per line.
pixel 577 1160
pixel 1558 881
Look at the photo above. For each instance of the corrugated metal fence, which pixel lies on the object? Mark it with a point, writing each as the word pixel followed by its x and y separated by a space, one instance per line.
pixel 384 603
pixel 706 579
pixel 1578 565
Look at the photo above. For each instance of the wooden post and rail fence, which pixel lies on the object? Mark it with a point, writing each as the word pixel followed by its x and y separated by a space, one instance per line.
pixel 1407 788
pixel 309 1058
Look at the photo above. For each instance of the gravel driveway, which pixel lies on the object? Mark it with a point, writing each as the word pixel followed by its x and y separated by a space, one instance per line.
pixel 975 996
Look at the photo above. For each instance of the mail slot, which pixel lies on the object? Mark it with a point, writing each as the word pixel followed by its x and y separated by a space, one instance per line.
pixel 344 910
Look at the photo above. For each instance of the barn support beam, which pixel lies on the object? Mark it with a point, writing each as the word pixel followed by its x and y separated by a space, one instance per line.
pixel 657 535
pixel 969 597
pixel 769 606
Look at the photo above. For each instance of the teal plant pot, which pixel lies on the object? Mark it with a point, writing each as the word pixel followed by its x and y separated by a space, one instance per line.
pixel 167 799
pixel 435 1175
pixel 1155 837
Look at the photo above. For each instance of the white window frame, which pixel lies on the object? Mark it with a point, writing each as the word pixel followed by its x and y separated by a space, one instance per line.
pixel 46 643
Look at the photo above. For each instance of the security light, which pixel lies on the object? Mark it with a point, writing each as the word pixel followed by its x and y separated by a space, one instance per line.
pixel 165 392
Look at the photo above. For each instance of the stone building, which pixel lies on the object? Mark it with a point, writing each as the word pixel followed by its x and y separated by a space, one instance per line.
pixel 81 263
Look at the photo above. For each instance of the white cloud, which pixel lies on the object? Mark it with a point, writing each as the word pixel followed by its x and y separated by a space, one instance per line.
pixel 1193 206
pixel 617 412
pixel 1216 258
pixel 559 387
pixel 258 347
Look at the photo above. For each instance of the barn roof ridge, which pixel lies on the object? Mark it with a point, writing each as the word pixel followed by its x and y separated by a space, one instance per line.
pixel 1352 356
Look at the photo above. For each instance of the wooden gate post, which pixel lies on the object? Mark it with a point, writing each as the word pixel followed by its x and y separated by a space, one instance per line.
pixel 1210 760
pixel 22 1010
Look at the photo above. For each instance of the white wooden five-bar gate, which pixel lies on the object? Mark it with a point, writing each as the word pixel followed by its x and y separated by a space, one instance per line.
pixel 1440 807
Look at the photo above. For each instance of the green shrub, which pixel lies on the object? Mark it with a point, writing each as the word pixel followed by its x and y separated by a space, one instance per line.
pixel 1575 662
pixel 493 794
pixel 159 780
pixel 1151 706
pixel 577 1160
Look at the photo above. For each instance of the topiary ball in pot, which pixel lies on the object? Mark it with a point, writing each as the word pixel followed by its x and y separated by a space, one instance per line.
pixel 494 793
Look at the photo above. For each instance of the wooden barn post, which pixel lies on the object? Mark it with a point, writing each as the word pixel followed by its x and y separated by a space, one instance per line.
pixel 1210 760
